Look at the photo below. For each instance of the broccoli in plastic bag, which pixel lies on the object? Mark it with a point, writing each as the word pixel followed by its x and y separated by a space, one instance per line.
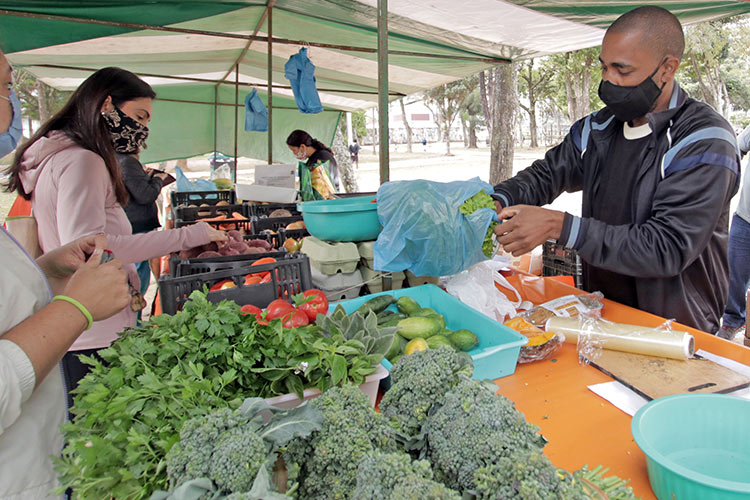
pixel 425 229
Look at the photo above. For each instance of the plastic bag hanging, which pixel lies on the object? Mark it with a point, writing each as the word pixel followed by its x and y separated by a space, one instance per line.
pixel 300 72
pixel 424 230
pixel 256 114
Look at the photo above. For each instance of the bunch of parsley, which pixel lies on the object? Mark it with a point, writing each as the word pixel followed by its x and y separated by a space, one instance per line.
pixel 207 356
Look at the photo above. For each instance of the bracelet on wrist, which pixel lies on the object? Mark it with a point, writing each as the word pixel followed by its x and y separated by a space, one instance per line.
pixel 78 306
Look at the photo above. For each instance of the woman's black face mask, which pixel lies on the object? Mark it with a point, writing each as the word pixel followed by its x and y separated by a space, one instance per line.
pixel 128 136
pixel 629 103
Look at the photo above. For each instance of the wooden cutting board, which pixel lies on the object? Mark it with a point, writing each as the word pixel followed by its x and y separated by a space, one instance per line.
pixel 653 377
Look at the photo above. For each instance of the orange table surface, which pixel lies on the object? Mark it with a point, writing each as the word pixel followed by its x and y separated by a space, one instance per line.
pixel 581 427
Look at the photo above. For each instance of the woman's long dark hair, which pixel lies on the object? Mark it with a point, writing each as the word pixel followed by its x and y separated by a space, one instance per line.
pixel 300 137
pixel 81 120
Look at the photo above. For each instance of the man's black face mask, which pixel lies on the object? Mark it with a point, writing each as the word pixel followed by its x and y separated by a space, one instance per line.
pixel 629 103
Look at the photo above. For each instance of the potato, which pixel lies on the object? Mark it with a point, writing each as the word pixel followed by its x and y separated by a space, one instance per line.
pixel 280 212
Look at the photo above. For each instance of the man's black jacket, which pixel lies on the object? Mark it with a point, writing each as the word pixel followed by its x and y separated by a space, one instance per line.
pixel 676 249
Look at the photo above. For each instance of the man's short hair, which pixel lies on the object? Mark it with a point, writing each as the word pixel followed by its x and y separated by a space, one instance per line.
pixel 660 29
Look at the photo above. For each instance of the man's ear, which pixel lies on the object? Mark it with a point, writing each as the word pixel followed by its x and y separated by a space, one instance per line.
pixel 670 68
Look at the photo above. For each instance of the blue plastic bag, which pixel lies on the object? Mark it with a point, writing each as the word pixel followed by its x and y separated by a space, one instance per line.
pixel 423 229
pixel 186 185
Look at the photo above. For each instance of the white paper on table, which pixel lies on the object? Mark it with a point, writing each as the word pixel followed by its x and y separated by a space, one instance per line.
pixel 630 402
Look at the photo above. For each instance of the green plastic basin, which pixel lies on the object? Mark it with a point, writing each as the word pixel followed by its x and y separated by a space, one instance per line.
pixel 342 219
pixel 697 446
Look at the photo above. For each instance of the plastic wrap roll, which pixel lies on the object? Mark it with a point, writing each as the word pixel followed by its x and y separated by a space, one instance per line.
pixel 627 338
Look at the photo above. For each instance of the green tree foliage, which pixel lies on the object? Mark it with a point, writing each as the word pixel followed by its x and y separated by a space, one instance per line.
pixel 445 104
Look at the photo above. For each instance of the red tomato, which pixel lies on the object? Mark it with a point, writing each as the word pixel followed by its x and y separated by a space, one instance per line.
pixel 260 262
pixel 252 279
pixel 251 309
pixel 294 319
pixel 317 303
pixel 222 285
pixel 278 308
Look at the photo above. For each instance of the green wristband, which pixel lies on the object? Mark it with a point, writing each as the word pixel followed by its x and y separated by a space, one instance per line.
pixel 78 305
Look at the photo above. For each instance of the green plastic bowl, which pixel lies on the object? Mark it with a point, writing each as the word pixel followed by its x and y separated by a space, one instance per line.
pixel 342 219
pixel 697 446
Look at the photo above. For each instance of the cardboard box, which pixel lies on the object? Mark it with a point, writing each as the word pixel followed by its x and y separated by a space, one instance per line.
pixel 282 176
pixel 270 194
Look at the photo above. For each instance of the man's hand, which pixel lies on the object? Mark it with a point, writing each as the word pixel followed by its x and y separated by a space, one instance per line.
pixel 59 264
pixel 527 227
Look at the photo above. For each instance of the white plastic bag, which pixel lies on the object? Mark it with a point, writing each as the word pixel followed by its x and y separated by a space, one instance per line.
pixel 475 287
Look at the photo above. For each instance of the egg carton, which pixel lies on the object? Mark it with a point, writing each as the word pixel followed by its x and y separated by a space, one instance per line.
pixel 331 257
pixel 374 279
pixel 339 286
pixel 366 253
pixel 415 280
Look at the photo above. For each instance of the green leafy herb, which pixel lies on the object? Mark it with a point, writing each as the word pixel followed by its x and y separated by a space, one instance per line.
pixel 172 368
pixel 477 202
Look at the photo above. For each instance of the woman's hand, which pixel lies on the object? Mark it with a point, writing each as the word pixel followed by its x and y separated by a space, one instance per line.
pixel 101 288
pixel 216 235
pixel 59 264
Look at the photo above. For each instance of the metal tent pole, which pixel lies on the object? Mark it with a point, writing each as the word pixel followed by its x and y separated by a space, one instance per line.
pixel 236 112
pixel 269 11
pixel 383 88
pixel 383 100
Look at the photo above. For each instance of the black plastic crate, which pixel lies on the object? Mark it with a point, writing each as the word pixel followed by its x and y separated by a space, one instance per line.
pixel 273 223
pixel 289 276
pixel 292 233
pixel 243 226
pixel 560 261
pixel 185 267
pixel 201 197
pixel 261 210
pixel 191 214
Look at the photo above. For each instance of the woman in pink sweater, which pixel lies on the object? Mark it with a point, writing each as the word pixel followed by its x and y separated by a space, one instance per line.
pixel 69 172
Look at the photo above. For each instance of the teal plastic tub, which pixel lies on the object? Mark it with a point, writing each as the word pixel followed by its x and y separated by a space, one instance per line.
pixel 342 219
pixel 496 353
pixel 697 446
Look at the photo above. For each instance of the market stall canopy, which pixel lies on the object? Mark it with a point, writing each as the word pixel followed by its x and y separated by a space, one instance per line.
pixel 186 49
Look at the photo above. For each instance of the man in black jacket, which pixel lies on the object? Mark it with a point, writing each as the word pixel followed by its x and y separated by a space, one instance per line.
pixel 657 170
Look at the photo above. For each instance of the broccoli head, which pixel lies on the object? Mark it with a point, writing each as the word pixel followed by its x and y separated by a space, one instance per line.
pixel 419 383
pixel 237 456
pixel 474 428
pixel 396 477
pixel 526 475
pixel 220 446
pixel 190 458
pixel 325 463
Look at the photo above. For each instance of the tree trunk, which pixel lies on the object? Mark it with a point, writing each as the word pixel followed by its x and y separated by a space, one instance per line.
pixel 466 133
pixel 406 125
pixel 344 161
pixel 504 115
pixel 42 97
pixel 532 126
pixel 485 84
pixel 447 135
pixel 472 136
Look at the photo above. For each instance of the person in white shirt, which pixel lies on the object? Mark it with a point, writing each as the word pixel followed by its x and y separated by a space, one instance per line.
pixel 44 306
